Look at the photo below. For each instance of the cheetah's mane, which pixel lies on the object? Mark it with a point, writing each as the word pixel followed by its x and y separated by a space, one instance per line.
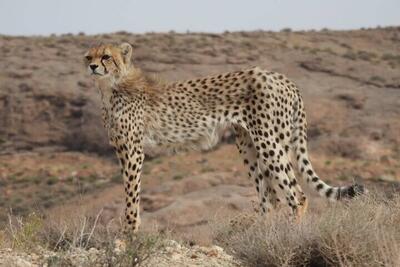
pixel 135 81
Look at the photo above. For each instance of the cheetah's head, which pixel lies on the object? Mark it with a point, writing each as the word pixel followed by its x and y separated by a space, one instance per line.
pixel 108 61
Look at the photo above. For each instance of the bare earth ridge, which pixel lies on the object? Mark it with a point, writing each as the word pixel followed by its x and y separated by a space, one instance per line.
pixel 54 154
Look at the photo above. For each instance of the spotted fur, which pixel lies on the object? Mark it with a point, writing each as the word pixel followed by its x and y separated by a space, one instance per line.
pixel 264 108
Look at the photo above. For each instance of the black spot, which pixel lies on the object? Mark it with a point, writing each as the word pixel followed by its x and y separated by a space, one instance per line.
pixel 271 167
pixel 263 145
pixel 329 192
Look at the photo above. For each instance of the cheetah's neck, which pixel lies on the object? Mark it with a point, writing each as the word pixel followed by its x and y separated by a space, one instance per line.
pixel 106 90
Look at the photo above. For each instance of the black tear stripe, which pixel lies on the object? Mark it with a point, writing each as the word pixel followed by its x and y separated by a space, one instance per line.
pixel 104 66
pixel 115 63
pixel 101 61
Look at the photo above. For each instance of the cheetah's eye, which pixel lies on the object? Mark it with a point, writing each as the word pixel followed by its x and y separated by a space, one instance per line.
pixel 88 58
pixel 105 57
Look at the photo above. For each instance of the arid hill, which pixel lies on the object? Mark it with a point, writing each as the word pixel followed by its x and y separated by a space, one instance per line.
pixel 54 154
pixel 47 99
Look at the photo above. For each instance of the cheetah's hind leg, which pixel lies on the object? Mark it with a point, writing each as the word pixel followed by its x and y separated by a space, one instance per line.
pixel 248 152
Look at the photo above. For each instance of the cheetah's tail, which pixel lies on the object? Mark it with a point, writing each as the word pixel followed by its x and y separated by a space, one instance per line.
pixel 299 143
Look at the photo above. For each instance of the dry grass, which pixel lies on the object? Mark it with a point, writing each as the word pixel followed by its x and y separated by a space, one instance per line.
pixel 66 237
pixel 363 232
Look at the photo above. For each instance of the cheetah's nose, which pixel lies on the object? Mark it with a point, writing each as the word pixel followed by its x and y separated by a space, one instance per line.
pixel 93 66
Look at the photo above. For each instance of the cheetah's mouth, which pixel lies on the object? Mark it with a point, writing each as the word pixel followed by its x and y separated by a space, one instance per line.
pixel 103 73
pixel 96 73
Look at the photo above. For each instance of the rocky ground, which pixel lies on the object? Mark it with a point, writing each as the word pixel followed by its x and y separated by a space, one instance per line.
pixel 173 254
pixel 54 156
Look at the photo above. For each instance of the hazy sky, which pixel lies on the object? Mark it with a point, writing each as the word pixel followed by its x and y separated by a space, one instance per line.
pixel 43 17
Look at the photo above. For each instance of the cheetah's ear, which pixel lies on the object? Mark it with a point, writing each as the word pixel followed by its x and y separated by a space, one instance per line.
pixel 126 52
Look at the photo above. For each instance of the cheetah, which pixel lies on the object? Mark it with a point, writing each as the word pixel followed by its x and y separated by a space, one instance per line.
pixel 264 108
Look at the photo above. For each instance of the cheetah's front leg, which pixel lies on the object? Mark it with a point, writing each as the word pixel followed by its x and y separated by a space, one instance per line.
pixel 131 157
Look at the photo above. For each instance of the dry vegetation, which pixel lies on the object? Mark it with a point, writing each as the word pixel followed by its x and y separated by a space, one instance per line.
pixel 364 232
pixel 46 180
pixel 78 240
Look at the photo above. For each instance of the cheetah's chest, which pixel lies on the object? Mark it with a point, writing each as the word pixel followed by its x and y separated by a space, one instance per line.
pixel 118 120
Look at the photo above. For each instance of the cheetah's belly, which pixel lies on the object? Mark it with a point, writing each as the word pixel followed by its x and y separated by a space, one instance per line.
pixel 202 138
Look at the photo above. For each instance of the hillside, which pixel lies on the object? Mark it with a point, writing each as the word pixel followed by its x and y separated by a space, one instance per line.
pixel 54 155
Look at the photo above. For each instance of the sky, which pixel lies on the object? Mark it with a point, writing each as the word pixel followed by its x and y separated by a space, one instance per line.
pixel 44 17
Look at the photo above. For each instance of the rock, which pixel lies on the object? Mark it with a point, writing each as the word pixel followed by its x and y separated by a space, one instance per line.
pixel 22 263
pixel 120 246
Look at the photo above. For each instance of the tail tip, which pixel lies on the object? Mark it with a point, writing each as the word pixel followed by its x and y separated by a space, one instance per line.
pixel 352 191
